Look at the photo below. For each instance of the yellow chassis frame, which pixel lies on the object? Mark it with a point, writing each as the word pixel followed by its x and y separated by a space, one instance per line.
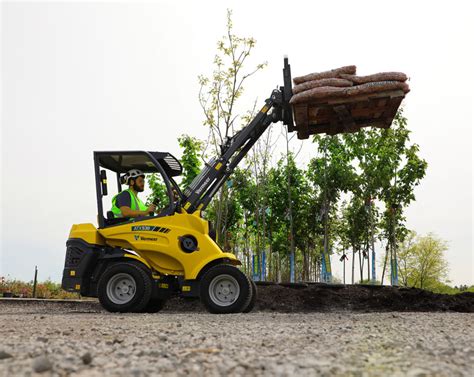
pixel 156 243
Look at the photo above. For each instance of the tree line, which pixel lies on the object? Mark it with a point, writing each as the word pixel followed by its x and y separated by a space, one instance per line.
pixel 284 221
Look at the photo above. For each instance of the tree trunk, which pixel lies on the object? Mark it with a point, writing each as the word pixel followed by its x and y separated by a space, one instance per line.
pixel 344 269
pixel 353 262
pixel 326 241
pixel 290 208
pixel 395 262
pixel 278 265
pixel 372 236
pixel 368 260
pixel 385 262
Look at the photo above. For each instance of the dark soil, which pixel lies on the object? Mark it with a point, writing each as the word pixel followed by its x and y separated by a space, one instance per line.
pixel 292 298
pixel 365 298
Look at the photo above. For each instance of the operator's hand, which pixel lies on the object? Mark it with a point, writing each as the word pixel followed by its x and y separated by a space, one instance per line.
pixel 151 208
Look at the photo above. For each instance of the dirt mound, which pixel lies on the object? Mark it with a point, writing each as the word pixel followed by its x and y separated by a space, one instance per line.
pixel 288 298
pixel 323 298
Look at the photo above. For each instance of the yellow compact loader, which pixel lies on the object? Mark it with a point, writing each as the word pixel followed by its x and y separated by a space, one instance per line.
pixel 136 264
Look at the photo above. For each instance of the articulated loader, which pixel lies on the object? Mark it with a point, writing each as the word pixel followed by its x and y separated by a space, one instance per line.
pixel 135 265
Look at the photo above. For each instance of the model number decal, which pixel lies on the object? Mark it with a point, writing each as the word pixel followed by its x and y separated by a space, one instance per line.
pixel 149 228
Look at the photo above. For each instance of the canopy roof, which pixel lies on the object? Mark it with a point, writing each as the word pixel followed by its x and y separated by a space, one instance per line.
pixel 122 161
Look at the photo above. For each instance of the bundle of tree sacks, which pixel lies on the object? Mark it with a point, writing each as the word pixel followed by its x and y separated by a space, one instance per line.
pixel 338 100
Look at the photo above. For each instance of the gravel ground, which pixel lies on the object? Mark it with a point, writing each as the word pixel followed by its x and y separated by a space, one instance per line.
pixel 61 340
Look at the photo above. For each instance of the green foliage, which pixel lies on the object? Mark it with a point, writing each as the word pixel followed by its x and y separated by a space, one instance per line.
pixel 366 169
pixel 444 289
pixel 332 172
pixel 369 281
pixel 406 166
pixel 158 188
pixel 191 162
pixel 46 289
pixel 191 158
pixel 387 169
pixel 422 263
pixel 353 224
pixel 404 171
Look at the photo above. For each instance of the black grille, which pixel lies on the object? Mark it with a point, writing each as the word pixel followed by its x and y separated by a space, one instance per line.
pixel 173 163
pixel 73 256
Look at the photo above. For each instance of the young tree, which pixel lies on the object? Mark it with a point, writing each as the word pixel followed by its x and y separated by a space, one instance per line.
pixel 371 152
pixel 407 170
pixel 388 170
pixel 219 95
pixel 353 231
pixel 422 261
pixel 333 173
pixel 406 258
pixel 287 235
pixel 259 164
pixel 244 189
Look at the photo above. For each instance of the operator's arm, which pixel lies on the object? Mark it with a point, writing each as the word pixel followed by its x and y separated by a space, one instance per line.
pixel 128 212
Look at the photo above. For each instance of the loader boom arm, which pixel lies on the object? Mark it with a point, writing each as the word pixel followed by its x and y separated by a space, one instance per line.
pixel 215 172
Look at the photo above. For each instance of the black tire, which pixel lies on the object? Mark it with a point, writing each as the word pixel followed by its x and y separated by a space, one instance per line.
pixel 210 281
pixel 154 305
pixel 138 300
pixel 253 300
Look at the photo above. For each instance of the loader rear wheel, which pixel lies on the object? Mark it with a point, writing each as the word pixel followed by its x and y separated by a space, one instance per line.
pixel 225 289
pixel 253 300
pixel 124 287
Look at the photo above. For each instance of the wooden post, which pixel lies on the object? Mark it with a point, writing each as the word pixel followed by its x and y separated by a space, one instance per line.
pixel 35 281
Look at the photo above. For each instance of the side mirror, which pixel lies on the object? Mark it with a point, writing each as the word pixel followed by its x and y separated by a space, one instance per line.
pixel 103 182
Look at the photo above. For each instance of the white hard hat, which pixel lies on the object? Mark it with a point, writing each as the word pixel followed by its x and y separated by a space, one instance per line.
pixel 133 173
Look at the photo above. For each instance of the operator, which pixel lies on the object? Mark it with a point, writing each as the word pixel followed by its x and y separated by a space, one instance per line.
pixel 127 203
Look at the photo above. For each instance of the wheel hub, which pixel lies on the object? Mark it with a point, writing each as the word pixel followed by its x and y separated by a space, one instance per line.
pixel 121 288
pixel 224 290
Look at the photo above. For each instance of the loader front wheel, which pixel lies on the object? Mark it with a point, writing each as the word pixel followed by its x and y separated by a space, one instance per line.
pixel 253 300
pixel 124 287
pixel 225 289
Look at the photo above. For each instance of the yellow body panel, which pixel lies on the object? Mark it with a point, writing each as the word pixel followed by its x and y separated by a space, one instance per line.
pixel 156 241
pixel 88 233
pixel 138 258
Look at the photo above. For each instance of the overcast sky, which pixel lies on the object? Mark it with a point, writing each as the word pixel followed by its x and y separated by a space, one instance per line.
pixel 79 77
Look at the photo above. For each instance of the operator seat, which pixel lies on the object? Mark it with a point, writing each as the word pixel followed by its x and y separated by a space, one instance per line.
pixel 112 220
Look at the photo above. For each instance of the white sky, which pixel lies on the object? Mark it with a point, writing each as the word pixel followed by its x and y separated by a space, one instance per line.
pixel 78 77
